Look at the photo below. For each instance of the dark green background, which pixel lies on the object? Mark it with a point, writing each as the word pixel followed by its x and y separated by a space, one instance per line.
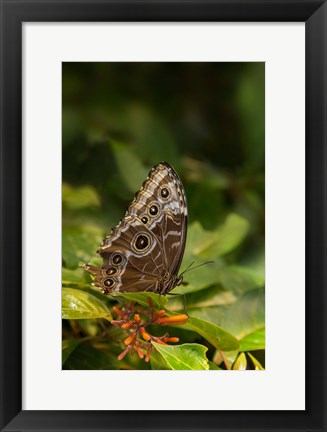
pixel 205 119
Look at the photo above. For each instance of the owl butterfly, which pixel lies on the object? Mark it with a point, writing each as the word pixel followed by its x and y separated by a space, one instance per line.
pixel 145 250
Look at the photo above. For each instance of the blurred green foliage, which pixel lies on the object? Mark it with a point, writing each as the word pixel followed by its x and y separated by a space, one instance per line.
pixel 207 121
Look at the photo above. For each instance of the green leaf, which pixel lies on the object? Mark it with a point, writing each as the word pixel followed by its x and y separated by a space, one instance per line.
pixel 246 315
pixel 240 363
pixel 213 366
pixel 77 198
pixel 198 239
pixel 227 238
pixel 68 346
pixel 227 358
pixel 214 334
pixel 240 279
pixel 213 296
pixel 70 276
pixel 78 304
pixel 253 341
pixel 213 244
pixel 79 244
pixel 213 314
pixel 201 278
pixel 184 357
pixel 157 361
pixel 159 301
pixel 69 255
pixel 256 363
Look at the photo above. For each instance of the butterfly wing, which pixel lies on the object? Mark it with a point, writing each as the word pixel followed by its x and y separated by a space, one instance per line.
pixel 161 204
pixel 131 259
pixel 147 246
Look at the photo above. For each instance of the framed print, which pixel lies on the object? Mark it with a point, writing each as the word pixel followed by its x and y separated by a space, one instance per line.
pixel 163 215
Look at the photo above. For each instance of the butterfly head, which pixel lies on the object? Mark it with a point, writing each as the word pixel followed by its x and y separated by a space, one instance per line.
pixel 168 283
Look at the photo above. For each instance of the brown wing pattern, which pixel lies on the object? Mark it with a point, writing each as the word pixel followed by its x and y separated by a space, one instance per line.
pixel 147 246
pixel 170 223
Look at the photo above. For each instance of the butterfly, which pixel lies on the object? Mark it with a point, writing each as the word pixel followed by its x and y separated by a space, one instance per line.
pixel 145 250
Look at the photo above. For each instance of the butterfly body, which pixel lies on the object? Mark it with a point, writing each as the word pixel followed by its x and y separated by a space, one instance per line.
pixel 145 250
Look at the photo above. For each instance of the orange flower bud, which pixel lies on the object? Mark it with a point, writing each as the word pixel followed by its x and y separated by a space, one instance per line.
pixel 138 349
pixel 175 319
pixel 122 355
pixel 146 336
pixel 159 314
pixel 170 339
pixel 118 311
pixel 117 322
pixel 137 318
pixel 148 354
pixel 130 339
pixel 158 340
pixel 127 325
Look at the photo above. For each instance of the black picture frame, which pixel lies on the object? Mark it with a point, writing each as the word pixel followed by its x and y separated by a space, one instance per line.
pixel 13 14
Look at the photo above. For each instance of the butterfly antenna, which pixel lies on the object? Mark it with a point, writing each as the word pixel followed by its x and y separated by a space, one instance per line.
pixel 187 268
pixel 197 266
